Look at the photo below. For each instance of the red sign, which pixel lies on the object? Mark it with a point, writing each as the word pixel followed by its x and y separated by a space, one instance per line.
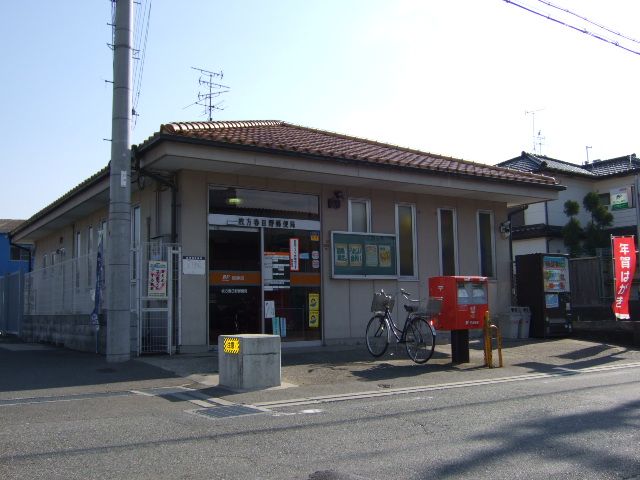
pixel 624 255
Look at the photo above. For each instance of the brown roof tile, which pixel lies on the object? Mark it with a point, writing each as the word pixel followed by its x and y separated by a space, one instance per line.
pixel 277 135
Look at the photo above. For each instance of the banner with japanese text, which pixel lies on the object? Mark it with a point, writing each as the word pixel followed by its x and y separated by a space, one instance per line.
pixel 624 261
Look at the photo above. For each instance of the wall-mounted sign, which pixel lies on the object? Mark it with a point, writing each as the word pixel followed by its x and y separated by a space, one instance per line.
pixel 157 279
pixel 294 254
pixel 621 198
pixel 193 265
pixel 370 255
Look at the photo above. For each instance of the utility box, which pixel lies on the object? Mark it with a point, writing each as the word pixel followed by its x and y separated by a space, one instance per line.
pixel 465 302
pixel 249 361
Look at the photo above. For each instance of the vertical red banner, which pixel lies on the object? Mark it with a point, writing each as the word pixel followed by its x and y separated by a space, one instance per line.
pixel 624 257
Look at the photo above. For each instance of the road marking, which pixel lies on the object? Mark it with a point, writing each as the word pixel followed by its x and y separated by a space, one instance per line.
pixel 563 372
pixel 62 398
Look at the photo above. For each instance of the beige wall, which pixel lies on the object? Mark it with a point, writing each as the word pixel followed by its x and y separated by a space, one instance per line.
pixel 345 303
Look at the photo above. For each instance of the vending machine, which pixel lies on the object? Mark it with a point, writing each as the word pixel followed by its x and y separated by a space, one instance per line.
pixel 542 284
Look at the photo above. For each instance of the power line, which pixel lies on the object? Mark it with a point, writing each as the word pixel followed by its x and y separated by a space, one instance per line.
pixel 573 27
pixel 589 21
pixel 141 24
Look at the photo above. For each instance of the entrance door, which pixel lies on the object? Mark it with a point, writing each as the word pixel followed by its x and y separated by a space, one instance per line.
pixel 235 283
pixel 292 287
pixel 264 280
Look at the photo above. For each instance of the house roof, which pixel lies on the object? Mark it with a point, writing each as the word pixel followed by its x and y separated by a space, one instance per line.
pixel 528 162
pixel 614 166
pixel 298 143
pixel 9 225
pixel 281 137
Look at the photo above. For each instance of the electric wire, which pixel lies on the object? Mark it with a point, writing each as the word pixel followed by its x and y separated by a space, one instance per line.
pixel 573 27
pixel 141 35
pixel 589 21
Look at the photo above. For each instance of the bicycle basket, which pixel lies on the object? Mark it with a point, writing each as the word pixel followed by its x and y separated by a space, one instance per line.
pixel 381 300
pixel 430 306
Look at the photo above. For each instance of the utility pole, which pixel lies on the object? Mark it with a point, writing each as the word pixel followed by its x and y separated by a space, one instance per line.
pixel 118 272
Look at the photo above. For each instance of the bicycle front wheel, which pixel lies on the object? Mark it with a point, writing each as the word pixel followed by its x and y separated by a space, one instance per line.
pixel 377 335
pixel 420 340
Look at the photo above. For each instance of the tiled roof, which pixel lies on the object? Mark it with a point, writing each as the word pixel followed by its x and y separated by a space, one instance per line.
pixel 614 166
pixel 528 162
pixel 276 136
pixel 9 225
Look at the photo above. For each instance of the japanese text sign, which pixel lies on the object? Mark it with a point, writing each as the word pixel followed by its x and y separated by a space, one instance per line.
pixel 624 255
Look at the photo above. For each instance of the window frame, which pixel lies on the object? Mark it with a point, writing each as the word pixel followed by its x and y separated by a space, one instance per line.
pixel 367 204
pixel 414 241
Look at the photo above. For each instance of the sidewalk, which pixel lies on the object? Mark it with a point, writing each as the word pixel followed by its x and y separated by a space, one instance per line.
pixel 325 371
pixel 33 370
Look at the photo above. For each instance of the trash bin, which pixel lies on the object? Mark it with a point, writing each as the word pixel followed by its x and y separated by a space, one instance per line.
pixel 510 322
pixel 525 322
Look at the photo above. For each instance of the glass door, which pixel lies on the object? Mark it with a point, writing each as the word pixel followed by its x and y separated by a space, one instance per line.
pixel 291 277
pixel 235 282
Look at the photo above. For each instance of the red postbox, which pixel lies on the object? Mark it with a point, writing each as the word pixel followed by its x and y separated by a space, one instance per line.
pixel 465 301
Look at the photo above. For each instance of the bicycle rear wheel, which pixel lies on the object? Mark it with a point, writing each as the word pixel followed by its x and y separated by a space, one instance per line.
pixel 420 340
pixel 377 335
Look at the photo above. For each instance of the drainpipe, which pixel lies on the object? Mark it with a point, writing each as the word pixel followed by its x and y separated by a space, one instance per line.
pixel 21 248
pixel 167 183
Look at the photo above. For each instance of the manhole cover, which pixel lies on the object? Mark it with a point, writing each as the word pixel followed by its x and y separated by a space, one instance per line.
pixel 229 411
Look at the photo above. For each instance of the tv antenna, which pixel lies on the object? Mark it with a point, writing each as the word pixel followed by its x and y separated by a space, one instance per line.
pixel 538 140
pixel 214 90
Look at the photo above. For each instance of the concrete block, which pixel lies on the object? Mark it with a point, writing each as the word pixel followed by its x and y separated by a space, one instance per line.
pixel 249 361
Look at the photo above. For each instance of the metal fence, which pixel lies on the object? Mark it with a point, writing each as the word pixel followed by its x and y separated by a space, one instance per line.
pixel 66 288
pixel 11 293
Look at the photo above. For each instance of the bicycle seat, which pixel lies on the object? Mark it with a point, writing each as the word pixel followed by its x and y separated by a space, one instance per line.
pixel 409 308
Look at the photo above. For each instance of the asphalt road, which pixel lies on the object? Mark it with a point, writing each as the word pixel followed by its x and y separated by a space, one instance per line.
pixel 573 419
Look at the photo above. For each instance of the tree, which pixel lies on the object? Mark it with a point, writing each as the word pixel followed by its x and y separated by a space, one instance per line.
pixel 601 218
pixel 572 231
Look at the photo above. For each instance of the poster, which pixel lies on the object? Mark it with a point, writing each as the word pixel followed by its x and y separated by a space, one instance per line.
pixel 157 279
pixel 355 255
pixel 342 257
pixel 314 310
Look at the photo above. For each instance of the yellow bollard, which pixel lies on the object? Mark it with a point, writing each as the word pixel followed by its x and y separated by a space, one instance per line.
pixel 488 350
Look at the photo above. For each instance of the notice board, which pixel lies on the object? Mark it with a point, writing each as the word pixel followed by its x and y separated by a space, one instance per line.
pixel 363 255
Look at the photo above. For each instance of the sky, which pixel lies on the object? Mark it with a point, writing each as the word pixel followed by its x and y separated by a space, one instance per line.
pixel 479 80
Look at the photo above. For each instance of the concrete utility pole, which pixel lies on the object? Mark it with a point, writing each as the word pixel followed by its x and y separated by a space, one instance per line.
pixel 118 273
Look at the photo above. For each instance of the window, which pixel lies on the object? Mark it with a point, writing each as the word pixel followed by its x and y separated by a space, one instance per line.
pixel 448 241
pixel 405 229
pixel 89 252
pixel 103 229
pixel 486 244
pixel 78 244
pixel 19 254
pixel 359 215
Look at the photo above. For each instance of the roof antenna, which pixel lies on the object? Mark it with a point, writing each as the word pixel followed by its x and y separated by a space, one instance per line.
pixel 215 90
pixel 537 140
pixel 587 149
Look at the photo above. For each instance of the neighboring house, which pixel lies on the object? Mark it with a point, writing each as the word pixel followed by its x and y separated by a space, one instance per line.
pixel 12 257
pixel 538 228
pixel 269 227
